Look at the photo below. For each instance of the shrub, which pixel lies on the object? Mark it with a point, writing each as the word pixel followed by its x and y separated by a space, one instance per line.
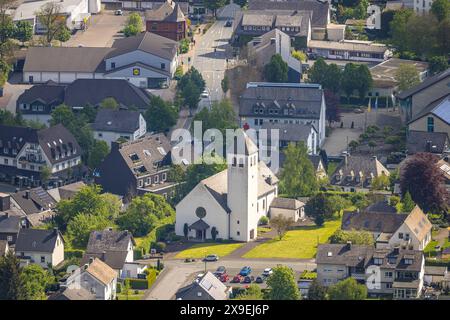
pixel 138 284
pixel 73 253
pixel 263 221
pixel 159 246
pixel 178 72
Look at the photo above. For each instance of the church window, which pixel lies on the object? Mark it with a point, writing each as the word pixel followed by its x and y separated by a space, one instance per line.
pixel 257 206
pixel 241 163
pixel 234 161
pixel 238 233
pixel 200 212
pixel 264 204
pixel 237 222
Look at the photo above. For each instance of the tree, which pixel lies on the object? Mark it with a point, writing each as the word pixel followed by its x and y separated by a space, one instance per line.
pixel 333 112
pixel 316 74
pixel 253 292
pixel 398 27
pixel 109 103
pixel 160 115
pixel 349 79
pixel 23 31
pixel 299 55
pixel 143 213
pixel 441 9
pixel 52 20
pixel 35 281
pixel 7 29
pixel 438 64
pixel 126 289
pixel 5 68
pixel 276 70
pixel 45 173
pixel 359 200
pixel 186 230
pixel 407 76
pixel 421 177
pixel 99 152
pixel 380 183
pixel 421 35
pixel 134 25
pixel 317 291
pixel 213 5
pixel 353 145
pixel 191 94
pixel 197 172
pixel 319 205
pixel 221 117
pixel 363 80
pixel 63 35
pixel 130 30
pixel 347 289
pixel 80 227
pixel 407 203
pixel 282 284
pixel 298 177
pixel 281 224
pixel 225 84
pixel 356 237
pixel 11 285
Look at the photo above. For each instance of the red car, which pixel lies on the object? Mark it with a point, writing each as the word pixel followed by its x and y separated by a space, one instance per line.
pixel 237 279
pixel 224 277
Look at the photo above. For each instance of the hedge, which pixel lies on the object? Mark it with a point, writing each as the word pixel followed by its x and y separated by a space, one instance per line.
pixel 437 262
pixel 71 253
pixel 143 284
pixel 153 235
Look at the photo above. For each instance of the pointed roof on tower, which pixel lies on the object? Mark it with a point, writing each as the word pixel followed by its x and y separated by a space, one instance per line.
pixel 242 139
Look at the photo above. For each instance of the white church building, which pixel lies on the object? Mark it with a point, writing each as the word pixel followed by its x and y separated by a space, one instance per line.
pixel 229 203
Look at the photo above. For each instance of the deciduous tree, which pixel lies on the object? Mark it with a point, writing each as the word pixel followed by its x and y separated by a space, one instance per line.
pixel 407 76
pixel 282 284
pixel 281 224
pixel 276 70
pixel 347 289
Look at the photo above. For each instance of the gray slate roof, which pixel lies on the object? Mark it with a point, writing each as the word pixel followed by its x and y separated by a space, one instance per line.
pixel 72 294
pixel 166 12
pixel 290 131
pixel 209 286
pixel 417 141
pixel 385 222
pixel 48 93
pixel 381 206
pixel 286 203
pixel 37 200
pixel 105 240
pixel 425 84
pixel 9 224
pixel 36 240
pixel 116 121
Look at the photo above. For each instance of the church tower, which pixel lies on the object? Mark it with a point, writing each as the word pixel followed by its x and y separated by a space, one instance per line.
pixel 242 188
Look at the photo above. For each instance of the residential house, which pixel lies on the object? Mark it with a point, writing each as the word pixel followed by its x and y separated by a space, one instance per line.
pixel 208 287
pixel 392 272
pixel 422 7
pixel 435 117
pixel 384 76
pixel 9 228
pixel 111 125
pixel 356 173
pixel 38 102
pixel 261 49
pixel 97 278
pixel 66 192
pixel 25 152
pixel 138 166
pixel 147 60
pixel 353 50
pixel 283 103
pixel 391 229
pixel 43 247
pixel 141 5
pixel 287 208
pixel 423 141
pixel 167 21
pixel 115 248
pixel 76 13
pixel 319 12
pixel 65 294
pixel 414 100
pixel 319 166
pixel 336 32
pixel 231 202
pixel 4 248
pixel 435 275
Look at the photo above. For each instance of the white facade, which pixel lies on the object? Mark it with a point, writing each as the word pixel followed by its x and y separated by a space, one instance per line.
pixel 294 214
pixel 110 136
pixel 132 269
pixel 85 280
pixel 422 6
pixel 44 259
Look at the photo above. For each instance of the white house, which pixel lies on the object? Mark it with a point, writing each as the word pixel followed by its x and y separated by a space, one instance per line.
pixel 422 6
pixel 43 247
pixel 287 208
pixel 146 60
pixel 229 203
pixel 96 277
pixel 110 125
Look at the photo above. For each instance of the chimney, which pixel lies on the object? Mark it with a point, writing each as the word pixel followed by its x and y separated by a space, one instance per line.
pixel 103 255
pixel 374 158
pixel 55 230
pixel 91 259
pixel 27 194
pixel 348 245
pixel 269 180
pixel 126 232
pixel 5 202
pixel 272 40
pixel 396 250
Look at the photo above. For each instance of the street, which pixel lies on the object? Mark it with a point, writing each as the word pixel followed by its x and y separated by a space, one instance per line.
pixel 178 273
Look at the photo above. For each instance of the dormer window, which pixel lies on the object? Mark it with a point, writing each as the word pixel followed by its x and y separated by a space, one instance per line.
pixel 378 261
pixel 408 261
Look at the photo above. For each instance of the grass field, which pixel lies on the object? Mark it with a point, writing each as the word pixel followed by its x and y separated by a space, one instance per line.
pixel 131 295
pixel 300 243
pixel 201 250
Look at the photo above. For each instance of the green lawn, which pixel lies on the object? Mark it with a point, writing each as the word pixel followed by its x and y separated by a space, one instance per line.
pixel 131 295
pixel 201 250
pixel 297 244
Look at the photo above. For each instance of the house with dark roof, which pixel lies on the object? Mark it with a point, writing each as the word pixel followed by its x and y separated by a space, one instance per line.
pixel 38 102
pixel 96 277
pixel 319 166
pixel 137 167
pixel 415 100
pixel 423 141
pixel 283 104
pixel 389 272
pixel 356 173
pixel 67 191
pixel 111 125
pixel 208 287
pixel 287 208
pixel 186 6
pixel 25 152
pixel 147 60
pixel 65 294
pixel 9 227
pixel 167 21
pixel 115 248
pixel 43 247
pixel 435 117
pixel 410 230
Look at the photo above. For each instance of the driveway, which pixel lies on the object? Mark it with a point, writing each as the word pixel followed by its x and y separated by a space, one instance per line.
pixel 177 273
pixel 102 31
pixel 12 90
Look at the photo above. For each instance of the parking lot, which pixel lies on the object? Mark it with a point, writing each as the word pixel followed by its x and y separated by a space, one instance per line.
pixel 101 32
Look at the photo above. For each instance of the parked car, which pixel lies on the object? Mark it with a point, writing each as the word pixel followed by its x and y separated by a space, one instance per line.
pixel 259 280
pixel 358 110
pixel 228 23
pixel 224 277
pixel 118 12
pixel 248 279
pixel 220 270
pixel 312 55
pixel 205 94
pixel 267 272
pixel 211 257
pixel 237 279
pixel 245 271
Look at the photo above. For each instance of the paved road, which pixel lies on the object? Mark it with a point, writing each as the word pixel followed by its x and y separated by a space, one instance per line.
pixel 178 273
pixel 212 65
